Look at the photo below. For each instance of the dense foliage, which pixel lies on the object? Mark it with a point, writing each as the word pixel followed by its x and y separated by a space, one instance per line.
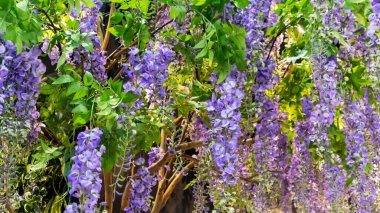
pixel 245 105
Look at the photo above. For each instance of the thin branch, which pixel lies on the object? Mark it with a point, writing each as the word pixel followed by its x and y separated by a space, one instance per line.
pixel 107 36
pixel 189 145
pixel 161 27
pixel 184 130
pixel 166 158
pixel 189 158
pixel 127 190
pixel 174 183
pixel 50 21
pixel 162 173
pixel 50 136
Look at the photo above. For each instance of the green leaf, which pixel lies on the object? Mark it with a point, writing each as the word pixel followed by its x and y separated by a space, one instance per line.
pixel 241 3
pixel 88 45
pixel 74 86
pixel 211 57
pixel 88 3
pixel 105 112
pixel 198 2
pixel 178 11
pixel 47 89
pixel 117 86
pixel 144 36
pixel 117 30
pixel 63 79
pixel 88 78
pixel 61 60
pixel 82 92
pixel 201 44
pixel 57 204
pixel 202 53
pixel 338 36
pixel 190 184
pixel 128 97
pixel 116 18
pixel 19 44
pixel 111 156
pixel 80 109
pixel 6 4
pixel 81 119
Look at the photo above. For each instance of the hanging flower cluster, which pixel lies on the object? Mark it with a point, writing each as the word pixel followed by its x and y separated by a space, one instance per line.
pixel 20 78
pixel 85 173
pixel 140 192
pixel 362 190
pixel 225 117
pixel 149 71
pixel 94 61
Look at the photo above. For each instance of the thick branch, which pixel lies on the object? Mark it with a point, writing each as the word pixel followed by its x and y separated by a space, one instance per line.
pixel 126 194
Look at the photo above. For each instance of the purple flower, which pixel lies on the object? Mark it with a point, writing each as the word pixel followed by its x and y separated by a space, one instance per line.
pixel 20 77
pixel 225 118
pixel 142 184
pixel 85 173
pixel 91 61
pixel 149 71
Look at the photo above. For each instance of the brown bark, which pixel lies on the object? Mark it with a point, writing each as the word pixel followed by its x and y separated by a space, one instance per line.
pixel 108 190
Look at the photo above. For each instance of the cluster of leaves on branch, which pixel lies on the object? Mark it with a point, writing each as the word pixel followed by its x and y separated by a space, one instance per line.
pixel 253 105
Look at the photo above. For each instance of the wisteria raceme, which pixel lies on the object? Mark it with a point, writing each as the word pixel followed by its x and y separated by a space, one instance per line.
pixel 362 189
pixel 200 198
pixel 270 145
pixel 304 181
pixel 373 63
pixel 336 18
pixel 225 118
pixel 372 122
pixel 20 78
pixel 374 21
pixel 140 193
pixel 85 173
pixel 93 62
pixel 199 130
pixel 255 18
pixel 325 77
pixel 372 126
pixel 149 72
